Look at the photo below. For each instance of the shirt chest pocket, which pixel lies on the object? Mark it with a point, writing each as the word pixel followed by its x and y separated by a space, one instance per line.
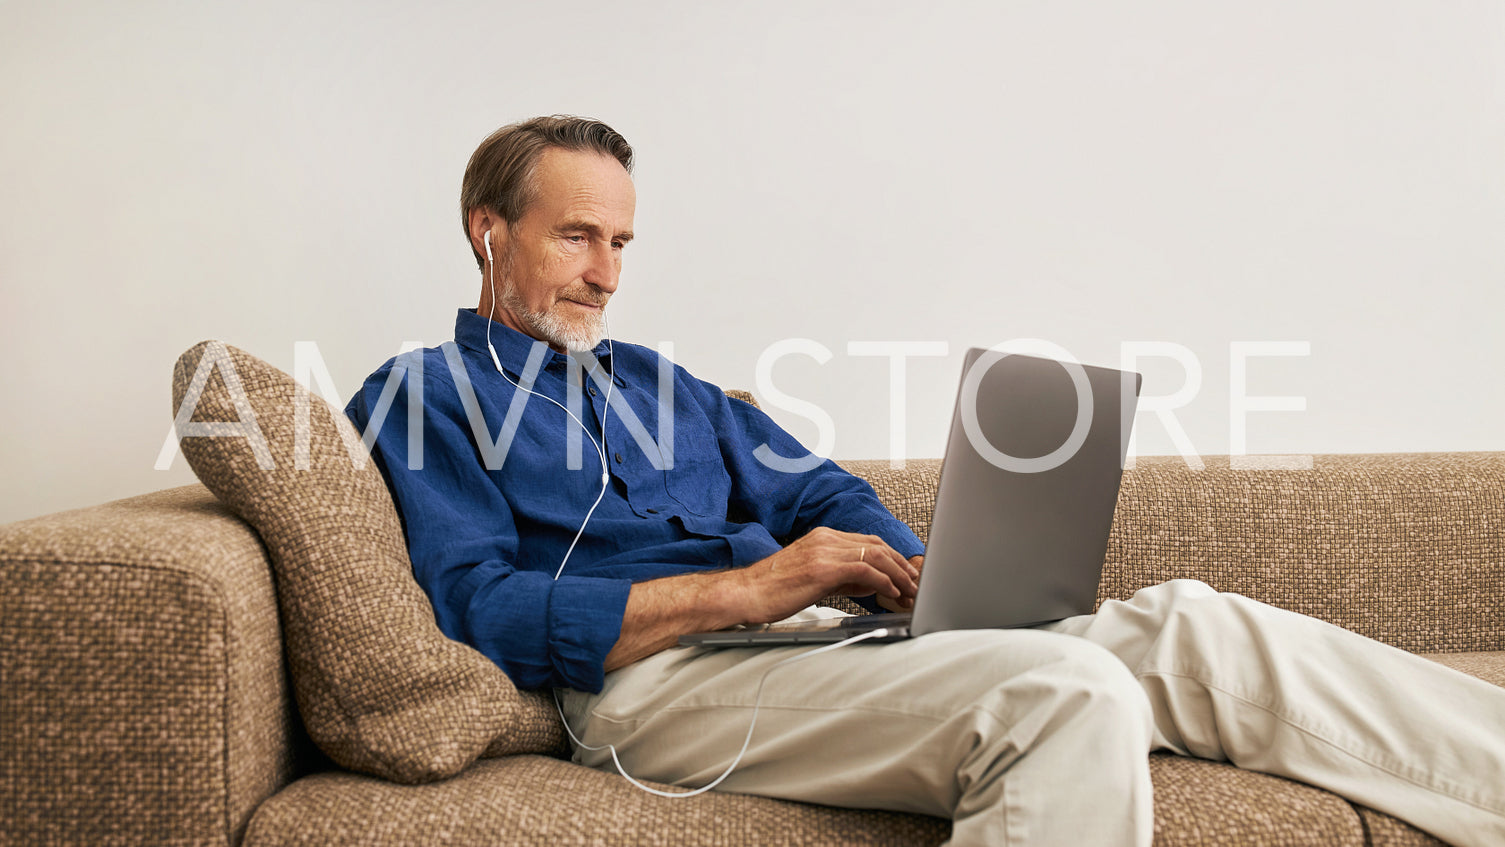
pixel 698 481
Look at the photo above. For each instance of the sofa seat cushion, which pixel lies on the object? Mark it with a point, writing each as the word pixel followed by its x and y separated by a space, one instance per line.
pixel 1385 831
pixel 1200 803
pixel 1488 666
pixel 541 800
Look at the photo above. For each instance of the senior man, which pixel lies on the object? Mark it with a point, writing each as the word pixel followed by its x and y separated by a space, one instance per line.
pixel 579 572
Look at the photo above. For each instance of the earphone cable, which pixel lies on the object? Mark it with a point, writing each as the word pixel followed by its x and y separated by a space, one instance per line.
pixel 605 414
pixel 751 724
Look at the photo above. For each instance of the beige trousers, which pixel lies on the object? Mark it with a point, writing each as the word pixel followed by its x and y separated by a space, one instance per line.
pixel 1039 736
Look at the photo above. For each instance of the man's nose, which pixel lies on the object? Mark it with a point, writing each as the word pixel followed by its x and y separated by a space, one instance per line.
pixel 604 268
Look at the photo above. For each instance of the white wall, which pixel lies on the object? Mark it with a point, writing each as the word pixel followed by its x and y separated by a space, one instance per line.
pixel 1319 171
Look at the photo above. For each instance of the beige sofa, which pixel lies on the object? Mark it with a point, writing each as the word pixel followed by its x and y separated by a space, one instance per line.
pixel 145 693
pixel 143 696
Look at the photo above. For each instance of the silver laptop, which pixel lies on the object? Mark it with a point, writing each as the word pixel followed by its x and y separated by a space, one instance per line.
pixel 1027 490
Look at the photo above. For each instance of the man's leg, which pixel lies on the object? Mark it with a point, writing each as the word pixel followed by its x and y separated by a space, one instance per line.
pixel 1273 691
pixel 1020 737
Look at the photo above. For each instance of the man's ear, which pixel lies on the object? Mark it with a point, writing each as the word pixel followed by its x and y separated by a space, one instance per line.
pixel 482 220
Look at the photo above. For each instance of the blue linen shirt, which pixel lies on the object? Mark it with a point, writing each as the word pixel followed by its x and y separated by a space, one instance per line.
pixel 492 484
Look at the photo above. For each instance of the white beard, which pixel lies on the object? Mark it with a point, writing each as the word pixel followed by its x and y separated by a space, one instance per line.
pixel 579 335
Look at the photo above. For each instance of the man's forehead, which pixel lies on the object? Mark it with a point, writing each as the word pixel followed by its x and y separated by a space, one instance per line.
pixel 585 183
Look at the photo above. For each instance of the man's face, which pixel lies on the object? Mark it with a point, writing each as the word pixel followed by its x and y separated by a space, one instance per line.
pixel 559 264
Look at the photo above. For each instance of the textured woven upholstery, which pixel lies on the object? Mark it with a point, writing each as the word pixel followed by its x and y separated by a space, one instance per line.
pixel 144 697
pixel 1200 804
pixel 1197 804
pixel 1403 548
pixel 142 693
pixel 538 800
pixel 380 688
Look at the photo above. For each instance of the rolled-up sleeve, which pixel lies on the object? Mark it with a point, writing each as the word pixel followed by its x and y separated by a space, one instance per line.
pixel 540 630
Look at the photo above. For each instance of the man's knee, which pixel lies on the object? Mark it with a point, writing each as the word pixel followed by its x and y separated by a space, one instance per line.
pixel 1190 608
pixel 1105 684
pixel 1075 684
pixel 1211 636
pixel 1173 592
pixel 1210 615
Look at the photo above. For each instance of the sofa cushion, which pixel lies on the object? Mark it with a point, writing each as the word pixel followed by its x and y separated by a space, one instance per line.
pixel 539 800
pixel 1385 831
pixel 1401 548
pixel 1486 665
pixel 1198 803
pixel 379 687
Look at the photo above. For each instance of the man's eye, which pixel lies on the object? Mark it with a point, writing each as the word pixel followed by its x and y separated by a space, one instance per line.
pixel 576 239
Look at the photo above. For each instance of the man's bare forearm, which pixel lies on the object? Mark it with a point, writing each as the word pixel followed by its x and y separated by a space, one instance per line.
pixel 661 610
pixel 825 561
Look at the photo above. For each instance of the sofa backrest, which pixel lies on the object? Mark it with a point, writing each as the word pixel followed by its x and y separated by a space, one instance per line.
pixel 1408 549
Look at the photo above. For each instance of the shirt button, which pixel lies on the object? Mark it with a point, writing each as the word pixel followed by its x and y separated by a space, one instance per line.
pixel 592 390
pixel 651 511
pixel 619 458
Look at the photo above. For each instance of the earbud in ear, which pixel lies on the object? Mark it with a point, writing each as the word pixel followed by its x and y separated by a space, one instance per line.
pixel 488 246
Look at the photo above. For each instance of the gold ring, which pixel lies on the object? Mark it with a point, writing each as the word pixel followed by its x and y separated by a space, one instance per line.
pixel 862 557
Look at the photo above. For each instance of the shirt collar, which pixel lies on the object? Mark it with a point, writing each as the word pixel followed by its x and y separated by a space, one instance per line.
pixel 512 347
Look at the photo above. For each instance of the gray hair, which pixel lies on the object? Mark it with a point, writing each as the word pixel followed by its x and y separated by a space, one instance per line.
pixel 501 170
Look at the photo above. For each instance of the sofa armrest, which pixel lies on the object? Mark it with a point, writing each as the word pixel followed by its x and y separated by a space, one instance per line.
pixel 143 697
pixel 1406 548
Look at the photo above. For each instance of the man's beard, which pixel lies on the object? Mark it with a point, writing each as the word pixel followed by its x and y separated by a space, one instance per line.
pixel 579 335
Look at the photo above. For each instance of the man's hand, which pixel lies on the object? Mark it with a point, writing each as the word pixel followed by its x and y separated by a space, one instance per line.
pixel 904 604
pixel 826 561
